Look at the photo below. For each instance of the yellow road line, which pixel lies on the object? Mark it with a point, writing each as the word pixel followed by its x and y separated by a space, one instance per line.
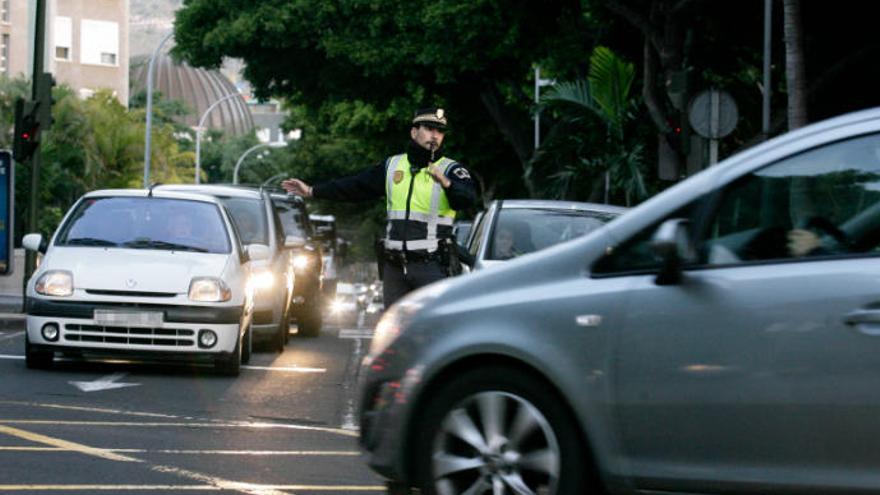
pixel 64 444
pixel 119 488
pixel 338 431
pixel 316 453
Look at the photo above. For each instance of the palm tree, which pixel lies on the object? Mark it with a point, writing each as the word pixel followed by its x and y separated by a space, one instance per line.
pixel 605 95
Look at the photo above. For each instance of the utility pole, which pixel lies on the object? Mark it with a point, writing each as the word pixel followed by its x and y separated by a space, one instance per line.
pixel 36 93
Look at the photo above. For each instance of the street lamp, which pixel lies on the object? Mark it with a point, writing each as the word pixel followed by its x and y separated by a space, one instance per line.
pixel 539 83
pixel 149 135
pixel 273 144
pixel 199 129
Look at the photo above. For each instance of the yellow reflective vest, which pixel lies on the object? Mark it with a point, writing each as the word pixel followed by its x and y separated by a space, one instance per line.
pixel 427 210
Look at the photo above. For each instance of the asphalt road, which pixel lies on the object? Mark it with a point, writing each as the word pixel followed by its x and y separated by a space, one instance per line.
pixel 286 425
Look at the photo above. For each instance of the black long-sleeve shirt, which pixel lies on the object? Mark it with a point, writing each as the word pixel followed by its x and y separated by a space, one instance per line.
pixel 370 184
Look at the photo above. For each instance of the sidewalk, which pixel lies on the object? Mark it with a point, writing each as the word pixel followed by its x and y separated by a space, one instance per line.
pixel 11 315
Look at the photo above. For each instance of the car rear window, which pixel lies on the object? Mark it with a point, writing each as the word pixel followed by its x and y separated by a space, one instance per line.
pixel 250 219
pixel 146 223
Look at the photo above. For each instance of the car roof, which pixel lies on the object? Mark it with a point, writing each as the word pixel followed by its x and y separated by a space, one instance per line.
pixel 560 205
pixel 228 190
pixel 143 193
pixel 322 218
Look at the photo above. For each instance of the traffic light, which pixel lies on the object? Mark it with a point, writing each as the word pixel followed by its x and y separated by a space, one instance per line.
pixel 26 128
pixel 45 82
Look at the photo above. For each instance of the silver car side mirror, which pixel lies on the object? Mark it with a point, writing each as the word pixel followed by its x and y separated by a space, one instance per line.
pixel 674 245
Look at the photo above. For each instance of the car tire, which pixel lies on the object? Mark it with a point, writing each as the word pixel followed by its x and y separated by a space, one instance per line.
pixel 35 359
pixel 310 322
pixel 231 365
pixel 247 347
pixel 532 424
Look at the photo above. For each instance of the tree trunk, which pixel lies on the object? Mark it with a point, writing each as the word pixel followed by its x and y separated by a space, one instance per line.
pixel 795 64
pixel 491 99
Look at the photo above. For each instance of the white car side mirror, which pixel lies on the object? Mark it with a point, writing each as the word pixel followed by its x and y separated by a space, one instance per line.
pixel 257 252
pixel 294 241
pixel 32 242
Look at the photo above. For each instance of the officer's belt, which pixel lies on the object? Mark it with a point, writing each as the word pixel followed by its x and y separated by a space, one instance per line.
pixel 397 258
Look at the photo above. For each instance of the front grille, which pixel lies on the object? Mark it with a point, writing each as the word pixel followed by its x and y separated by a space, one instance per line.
pixel 128 293
pixel 162 337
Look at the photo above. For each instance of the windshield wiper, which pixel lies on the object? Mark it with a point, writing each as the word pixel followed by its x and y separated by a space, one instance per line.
pixel 88 241
pixel 154 244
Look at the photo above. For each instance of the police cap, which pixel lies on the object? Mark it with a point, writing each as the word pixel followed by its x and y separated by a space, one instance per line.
pixel 430 117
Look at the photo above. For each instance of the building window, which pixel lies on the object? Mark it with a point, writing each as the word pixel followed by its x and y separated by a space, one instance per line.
pixel 4 54
pixel 99 42
pixel 4 10
pixel 63 38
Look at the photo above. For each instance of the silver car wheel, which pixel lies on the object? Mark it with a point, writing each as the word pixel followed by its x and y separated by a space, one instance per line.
pixel 495 442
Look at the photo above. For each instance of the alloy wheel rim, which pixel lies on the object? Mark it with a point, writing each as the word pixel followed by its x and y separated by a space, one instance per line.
pixel 495 442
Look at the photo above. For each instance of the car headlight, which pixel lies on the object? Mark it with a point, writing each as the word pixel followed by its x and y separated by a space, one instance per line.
pixel 262 279
pixel 336 306
pixel 397 318
pixel 301 261
pixel 55 283
pixel 209 289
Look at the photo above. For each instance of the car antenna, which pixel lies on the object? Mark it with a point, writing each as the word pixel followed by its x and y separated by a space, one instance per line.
pixel 150 192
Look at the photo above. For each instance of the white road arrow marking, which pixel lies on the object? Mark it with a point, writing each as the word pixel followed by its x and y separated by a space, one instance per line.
pixel 106 383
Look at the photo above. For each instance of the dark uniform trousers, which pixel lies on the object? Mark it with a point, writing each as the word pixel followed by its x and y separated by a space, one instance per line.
pixel 396 283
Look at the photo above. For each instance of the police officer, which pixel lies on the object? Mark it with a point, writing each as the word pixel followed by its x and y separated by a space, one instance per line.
pixel 422 190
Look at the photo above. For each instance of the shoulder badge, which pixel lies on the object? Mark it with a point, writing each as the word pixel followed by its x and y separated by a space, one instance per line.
pixel 461 173
pixel 398 176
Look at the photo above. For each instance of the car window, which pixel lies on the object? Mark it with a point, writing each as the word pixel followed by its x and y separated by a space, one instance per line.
pixel 823 202
pixel 291 219
pixel 477 235
pixel 249 217
pixel 524 230
pixel 146 223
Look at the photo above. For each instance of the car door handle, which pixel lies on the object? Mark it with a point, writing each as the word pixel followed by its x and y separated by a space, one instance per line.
pixel 865 321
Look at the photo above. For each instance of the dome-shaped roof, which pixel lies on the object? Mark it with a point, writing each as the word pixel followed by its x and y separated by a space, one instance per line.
pixel 199 89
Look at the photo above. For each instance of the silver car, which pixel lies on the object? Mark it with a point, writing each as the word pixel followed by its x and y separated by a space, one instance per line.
pixel 513 227
pixel 722 337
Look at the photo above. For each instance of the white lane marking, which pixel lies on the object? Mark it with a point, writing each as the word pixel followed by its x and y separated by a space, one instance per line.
pixel 219 425
pixel 88 409
pixel 287 369
pixel 290 369
pixel 209 487
pixel 356 333
pixel 108 382
pixel 259 453
pixel 12 335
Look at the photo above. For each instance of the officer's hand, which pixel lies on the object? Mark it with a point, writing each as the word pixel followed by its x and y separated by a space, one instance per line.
pixel 298 187
pixel 438 176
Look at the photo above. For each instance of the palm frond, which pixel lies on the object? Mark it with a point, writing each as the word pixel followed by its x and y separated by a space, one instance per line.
pixel 610 81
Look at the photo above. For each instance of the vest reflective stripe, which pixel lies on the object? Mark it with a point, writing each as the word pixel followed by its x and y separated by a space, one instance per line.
pixel 428 205
pixel 426 245
pixel 421 217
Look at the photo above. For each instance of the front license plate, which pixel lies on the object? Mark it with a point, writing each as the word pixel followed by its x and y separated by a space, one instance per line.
pixel 128 318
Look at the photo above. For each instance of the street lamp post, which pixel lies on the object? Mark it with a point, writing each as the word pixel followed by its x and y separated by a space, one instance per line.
pixel 199 129
pixel 149 135
pixel 539 83
pixel 274 144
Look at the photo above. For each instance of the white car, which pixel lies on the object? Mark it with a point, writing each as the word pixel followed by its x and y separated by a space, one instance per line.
pixel 257 222
pixel 144 273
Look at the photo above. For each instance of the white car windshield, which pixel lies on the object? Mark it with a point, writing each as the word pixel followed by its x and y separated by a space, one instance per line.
pixel 146 223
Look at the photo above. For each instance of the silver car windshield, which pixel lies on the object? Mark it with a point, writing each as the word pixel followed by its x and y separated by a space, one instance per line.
pixel 146 223
pixel 520 231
